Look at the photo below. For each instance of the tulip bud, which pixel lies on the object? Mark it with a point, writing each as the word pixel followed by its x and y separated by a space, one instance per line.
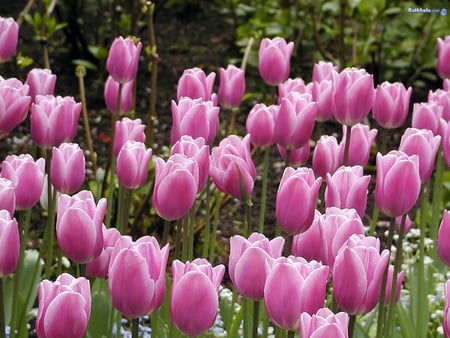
pixel 128 130
pixel 446 316
pixel 322 93
pixel 123 59
pixel 324 323
pixel 428 115
pixel 67 168
pixel 274 60
pixel 7 195
pixel 99 266
pixel 14 104
pixel 296 85
pixel 132 164
pixel 260 124
pixel 326 156
pixel 443 50
pixel 9 244
pixel 442 98
pixel 41 82
pixel 231 86
pixel 298 156
pixel 308 244
pixel 322 71
pixel 398 285
pixel 9 35
pixel 112 91
pixel 194 84
pixel 443 242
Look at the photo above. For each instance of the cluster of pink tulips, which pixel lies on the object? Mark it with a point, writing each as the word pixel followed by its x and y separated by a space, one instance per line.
pixel 323 267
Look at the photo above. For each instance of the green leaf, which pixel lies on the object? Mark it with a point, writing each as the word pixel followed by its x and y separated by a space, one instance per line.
pixel 101 309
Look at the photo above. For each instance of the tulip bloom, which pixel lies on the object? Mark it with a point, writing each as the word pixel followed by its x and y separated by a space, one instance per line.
pixel 194 298
pixel 64 307
pixel 446 317
pixel 446 84
pixel 41 82
pixel 67 168
pixel 112 91
pixel 324 323
pixel 231 86
pixel 137 275
pixel 358 273
pixel 27 177
pixel 9 35
pixel 398 285
pixel 79 226
pixel 360 144
pixel 194 83
pixel 428 115
pixel 408 224
pixel 308 244
pixel 298 156
pixel 128 130
pixel 292 85
pixel 14 104
pixel 442 98
pixel 194 117
pixel 397 184
pixel 123 59
pixel 294 286
pixel 99 266
pixel 132 164
pixel 442 66
pixel 247 262
pixel 446 144
pixel 322 71
pixel 232 169
pixel 322 93
pixel 7 195
pixel 326 156
pixel 260 124
pixel 176 185
pixel 391 104
pixel 9 244
pixel 297 188
pixel 274 60
pixel 443 243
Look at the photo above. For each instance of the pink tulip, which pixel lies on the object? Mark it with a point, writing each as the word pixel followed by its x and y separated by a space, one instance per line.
pixel 64 307
pixel 295 120
pixel 308 244
pixel 422 143
pixel 428 115
pixel 27 177
pixel 294 286
pixel 79 224
pixel 176 185
pixel 446 84
pixel 298 156
pixel 397 184
pixel 9 244
pixel 322 71
pixel 297 187
pixel 442 98
pixel 132 164
pixel 322 93
pixel 324 323
pixel 41 82
pixel 67 168
pixel 446 316
pixel 274 60
pixel 391 104
pixel 326 156
pixel 194 83
pixel 231 86
pixel 247 262
pixel 352 95
pixel 348 188
pixel 443 51
pixel 137 275
pixel 9 35
pixel 7 195
pixel 446 144
pixel 292 85
pixel 112 91
pixel 14 104
pixel 99 266
pixel 123 59
pixel 54 120
pixel 194 117
pixel 443 242
pixel 408 224
pixel 194 299
pixel 232 169
pixel 361 140
pixel 398 285
pixel 260 124
pixel 358 273
pixel 196 150
pixel 128 130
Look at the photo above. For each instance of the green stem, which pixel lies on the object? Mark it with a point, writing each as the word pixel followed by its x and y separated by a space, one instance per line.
pixel 287 158
pixel 265 322
pixel 247 303
pixel 248 220
pixel 212 243
pixel 126 199
pixel 236 323
pixel 165 235
pixel 256 304
pixel 191 222
pixel 135 327
pixel 81 270
pixel 265 179
pixel 373 223
pixel 422 319
pixel 2 311
pixel 437 201
pixel 185 245
pixel 178 238
pixel 351 325
pixel 207 230
pixel 279 332
pixel 51 197
pixel 347 144
pixel 290 334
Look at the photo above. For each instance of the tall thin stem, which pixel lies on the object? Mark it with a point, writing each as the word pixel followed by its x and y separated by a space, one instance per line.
pixel 51 196
pixel 422 289
pixel 256 304
pixel 135 327
pixel 212 243
pixel 265 178
pixel 207 230
pixel 2 311
pixel 347 144
pixel 351 325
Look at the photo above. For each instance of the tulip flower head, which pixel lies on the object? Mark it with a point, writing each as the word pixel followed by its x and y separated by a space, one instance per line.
pixel 99 266
pixel 293 85
pixel 308 244
pixel 260 124
pixel 360 144
pixel 123 59
pixel 326 156
pixel 67 168
pixel 446 316
pixel 428 115
pixel 128 130
pixel 14 104
pixel 9 35
pixel 322 93
pixel 274 60
pixel 297 157
pixel 231 86
pixel 7 195
pixel 398 285
pixel 324 323
pixel 41 82
pixel 443 242
pixel 442 98
pixel 194 83
pixel 443 50
pixel 112 91
pixel 132 164
pixel 9 244
pixel 322 71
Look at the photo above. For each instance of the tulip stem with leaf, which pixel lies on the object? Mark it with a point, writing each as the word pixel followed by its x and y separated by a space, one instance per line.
pixel 2 311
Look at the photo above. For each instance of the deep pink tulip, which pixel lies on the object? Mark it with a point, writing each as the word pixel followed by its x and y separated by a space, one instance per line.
pixel 128 130
pixel 446 316
pixel 196 150
pixel 112 91
pixel 247 262
pixel 353 93
pixel 324 323
pixel 398 285
pixel 391 104
pixel 348 188
pixel 195 285
pixel 260 124
pixel 397 184
pixel 137 275
pixel 443 242
pixel 99 266
pixel 298 156
pixel 231 86
pixel 9 244
pixel 428 115
pixel 67 168
pixel 358 273
pixel 326 156
pixel 123 59
pixel 293 85
pixel 422 143
pixel 194 117
pixel 41 82
pixel 294 286
pixel 295 120
pixel 79 224
pixel 308 244
pixel 7 195
pixel 446 144
pixel 322 93
pixel 231 168
pixel 361 140
pixel 9 35
pixel 408 224
pixel 54 120
pixel 297 187
pixel 443 51
pixel 194 83
pixel 442 98
pixel 176 185
pixel 322 71
pixel 64 307
pixel 14 104
pixel 132 164
pixel 274 60
pixel 446 84
pixel 27 177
